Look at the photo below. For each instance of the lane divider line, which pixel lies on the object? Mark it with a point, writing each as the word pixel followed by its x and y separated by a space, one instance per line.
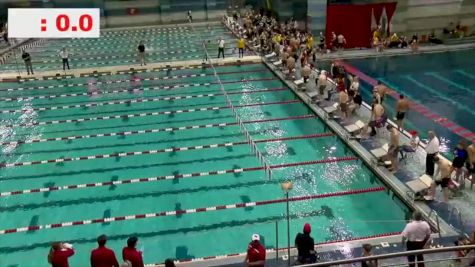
pixel 172 77
pixel 193 210
pixel 158 151
pixel 156 113
pixel 423 110
pixel 137 100
pixel 152 88
pixel 174 176
pixel 169 129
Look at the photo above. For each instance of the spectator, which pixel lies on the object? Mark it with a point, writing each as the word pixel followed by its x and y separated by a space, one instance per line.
pixel 471 161
pixel 256 253
pixel 141 49
pixel 432 149
pixel 240 45
pixel 103 256
pixel 221 47
pixel 27 58
pixel 367 253
pixel 59 254
pixel 394 41
pixel 341 42
pixel 460 157
pixel 417 234
pixel 131 254
pixel 169 263
pixel 305 246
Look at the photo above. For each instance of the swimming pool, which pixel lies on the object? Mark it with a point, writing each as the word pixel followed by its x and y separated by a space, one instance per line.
pixel 443 83
pixel 179 136
pixel 119 47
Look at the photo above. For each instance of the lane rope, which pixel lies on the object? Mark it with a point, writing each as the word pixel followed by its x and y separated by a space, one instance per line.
pixel 169 129
pixel 152 88
pixel 137 79
pixel 174 176
pixel 156 113
pixel 190 211
pixel 137 100
pixel 158 151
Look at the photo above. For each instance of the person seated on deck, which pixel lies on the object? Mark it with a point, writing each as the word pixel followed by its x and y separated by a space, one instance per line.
pixel 434 39
pixel 412 146
pixel 393 148
pixel 394 41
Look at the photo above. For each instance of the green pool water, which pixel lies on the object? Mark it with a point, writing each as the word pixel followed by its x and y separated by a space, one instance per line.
pixel 189 235
pixel 163 44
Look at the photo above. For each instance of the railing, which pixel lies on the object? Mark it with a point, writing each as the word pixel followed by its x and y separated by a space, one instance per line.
pixel 397 255
pixel 437 222
pixel 456 212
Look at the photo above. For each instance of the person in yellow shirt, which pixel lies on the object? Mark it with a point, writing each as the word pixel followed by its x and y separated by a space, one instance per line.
pixel 240 45
pixel 310 42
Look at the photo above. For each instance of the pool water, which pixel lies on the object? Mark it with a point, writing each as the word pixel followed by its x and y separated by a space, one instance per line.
pixel 443 82
pixel 180 236
pixel 119 47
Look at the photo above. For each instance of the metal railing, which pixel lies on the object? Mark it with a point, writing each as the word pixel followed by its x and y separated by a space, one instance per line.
pixel 437 221
pixel 397 255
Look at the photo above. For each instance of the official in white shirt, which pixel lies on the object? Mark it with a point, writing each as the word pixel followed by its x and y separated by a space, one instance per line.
pixel 65 57
pixel 416 234
pixel 432 149
pixel 221 47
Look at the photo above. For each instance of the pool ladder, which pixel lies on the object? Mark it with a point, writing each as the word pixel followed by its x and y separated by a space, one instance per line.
pixel 437 221
pixel 456 212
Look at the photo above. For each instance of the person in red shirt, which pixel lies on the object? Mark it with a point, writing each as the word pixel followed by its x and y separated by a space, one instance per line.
pixel 131 254
pixel 59 254
pixel 256 253
pixel 102 256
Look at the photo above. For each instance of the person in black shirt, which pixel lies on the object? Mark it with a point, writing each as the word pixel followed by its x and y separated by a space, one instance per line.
pixel 305 246
pixel 141 49
pixel 26 57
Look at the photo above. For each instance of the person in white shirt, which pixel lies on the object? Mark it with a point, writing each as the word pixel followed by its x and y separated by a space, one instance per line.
pixel 221 47
pixel 432 149
pixel 65 57
pixel 417 234
pixel 190 18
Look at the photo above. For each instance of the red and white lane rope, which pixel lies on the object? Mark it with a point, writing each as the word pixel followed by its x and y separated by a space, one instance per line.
pixel 156 113
pixel 242 254
pixel 139 100
pixel 170 129
pixel 174 176
pixel 190 211
pixel 158 151
pixel 152 88
pixel 173 77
